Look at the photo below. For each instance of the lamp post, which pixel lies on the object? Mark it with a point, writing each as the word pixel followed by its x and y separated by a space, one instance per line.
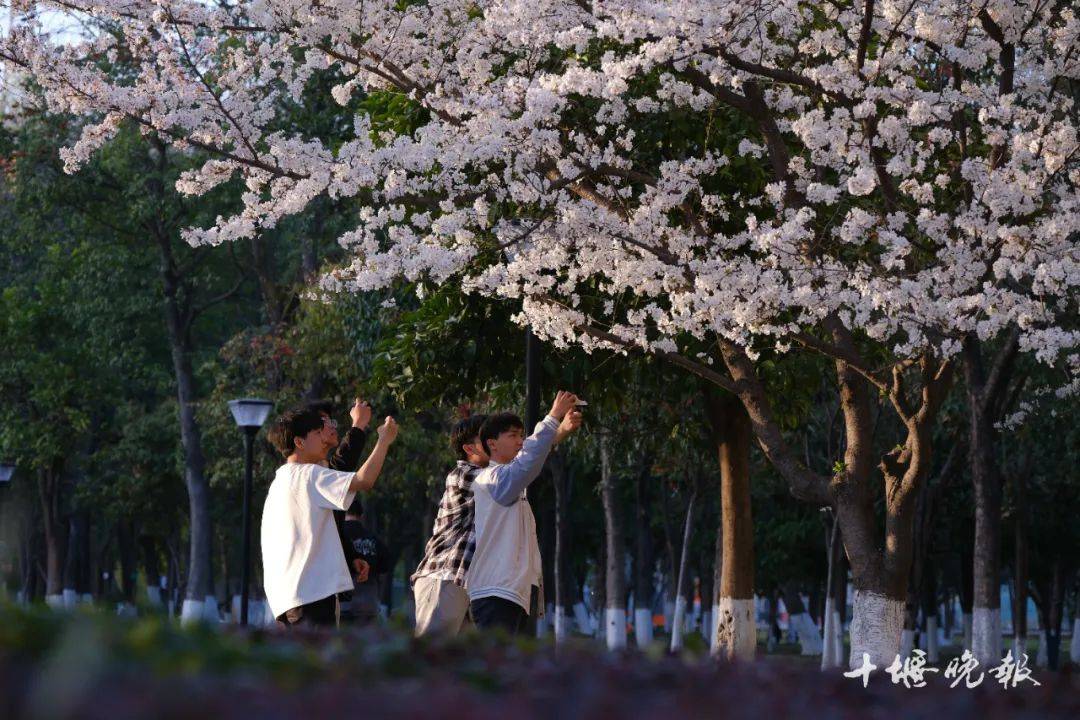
pixel 249 414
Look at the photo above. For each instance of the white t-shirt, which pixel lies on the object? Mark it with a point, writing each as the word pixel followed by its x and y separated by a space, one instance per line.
pixel 301 550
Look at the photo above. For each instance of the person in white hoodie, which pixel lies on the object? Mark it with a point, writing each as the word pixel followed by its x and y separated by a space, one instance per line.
pixel 504 580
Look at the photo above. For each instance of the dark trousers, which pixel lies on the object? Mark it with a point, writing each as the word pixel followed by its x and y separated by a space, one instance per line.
pixel 495 612
pixel 319 614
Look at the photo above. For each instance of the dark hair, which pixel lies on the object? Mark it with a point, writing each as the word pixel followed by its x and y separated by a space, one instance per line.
pixel 495 425
pixel 463 432
pixel 324 407
pixel 291 425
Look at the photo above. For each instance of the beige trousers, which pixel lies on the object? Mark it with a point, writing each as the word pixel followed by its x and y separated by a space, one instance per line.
pixel 442 607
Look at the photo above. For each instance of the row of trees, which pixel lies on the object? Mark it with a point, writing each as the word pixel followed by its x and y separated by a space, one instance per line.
pixel 858 212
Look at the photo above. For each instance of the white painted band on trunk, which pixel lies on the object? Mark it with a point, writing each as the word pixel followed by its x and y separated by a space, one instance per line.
pixel 562 624
pixel 191 612
pixel 714 618
pixel 1074 646
pixel 907 643
pixel 56 602
pixel 542 625
pixel 736 631
pixel 1041 656
pixel 808 633
pixel 643 629
pixel 838 639
pixel 932 653
pixel 828 647
pixel 678 623
pixel 153 595
pixel 967 630
pixel 615 628
pixel 71 597
pixel 210 609
pixel 581 616
pixel 986 635
pixel 876 622
pixel 86 599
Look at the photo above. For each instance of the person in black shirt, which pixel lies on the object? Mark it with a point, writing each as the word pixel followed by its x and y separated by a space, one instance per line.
pixel 363 608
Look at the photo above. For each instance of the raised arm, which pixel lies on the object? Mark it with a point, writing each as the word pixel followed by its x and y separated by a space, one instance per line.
pixel 369 472
pixel 508 481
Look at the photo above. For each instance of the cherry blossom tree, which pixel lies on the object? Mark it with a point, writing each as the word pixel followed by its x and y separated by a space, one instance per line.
pixel 919 189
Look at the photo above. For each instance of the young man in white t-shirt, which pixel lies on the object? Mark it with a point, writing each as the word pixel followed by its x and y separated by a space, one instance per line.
pixel 504 577
pixel 303 564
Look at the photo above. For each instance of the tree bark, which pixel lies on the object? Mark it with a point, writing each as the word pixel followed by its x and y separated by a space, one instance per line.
pixel 678 623
pixel 50 495
pixel 982 398
pixel 615 593
pixel 643 559
pixel 1020 569
pixel 736 632
pixel 561 482
pixel 178 310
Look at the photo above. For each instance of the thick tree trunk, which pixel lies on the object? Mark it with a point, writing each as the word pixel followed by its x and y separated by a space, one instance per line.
pixel 710 596
pixel 600 592
pixel 125 536
pixel 50 492
pixel 643 559
pixel 736 633
pixel 615 592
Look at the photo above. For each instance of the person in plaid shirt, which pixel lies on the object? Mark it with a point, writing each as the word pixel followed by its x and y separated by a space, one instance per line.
pixel 442 604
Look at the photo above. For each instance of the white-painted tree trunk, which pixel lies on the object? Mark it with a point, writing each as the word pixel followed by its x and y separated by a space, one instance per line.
pixel 153 595
pixel 71 598
pixel 907 643
pixel 1074 646
pixel 838 639
pixel 191 612
pixel 643 629
pixel 1019 646
pixel 1041 658
pixel 986 635
pixel 829 651
pixel 127 610
pixel 56 602
pixel 808 633
pixel 736 633
pixel 968 630
pixel 615 628
pixel 210 610
pixel 562 624
pixel 583 620
pixel 714 620
pixel 542 625
pixel 669 614
pixel 677 621
pixel 703 626
pixel 933 654
pixel 876 623
pixel 86 599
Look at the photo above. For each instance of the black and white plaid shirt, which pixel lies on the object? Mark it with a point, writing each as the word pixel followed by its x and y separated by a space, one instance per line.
pixel 453 539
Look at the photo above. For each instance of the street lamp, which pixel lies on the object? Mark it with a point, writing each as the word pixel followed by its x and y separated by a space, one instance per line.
pixel 249 414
